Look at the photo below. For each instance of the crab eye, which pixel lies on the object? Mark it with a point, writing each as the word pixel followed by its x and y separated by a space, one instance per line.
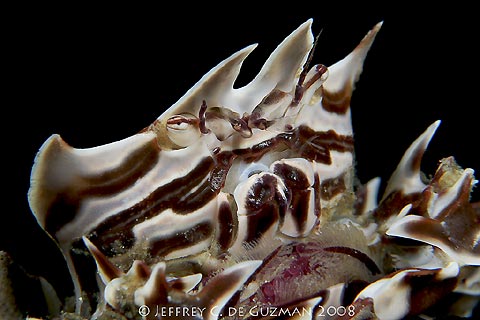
pixel 178 123
pixel 183 129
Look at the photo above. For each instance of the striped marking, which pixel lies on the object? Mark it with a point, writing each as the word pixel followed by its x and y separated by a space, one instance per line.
pixel 306 142
pixel 227 227
pixel 298 176
pixel 119 227
pixel 67 201
pixel 354 253
pixel 337 102
pixel 121 205
pixel 183 238
pixel 186 194
pixel 410 291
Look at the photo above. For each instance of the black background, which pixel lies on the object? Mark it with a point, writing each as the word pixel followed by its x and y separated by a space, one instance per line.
pixel 99 74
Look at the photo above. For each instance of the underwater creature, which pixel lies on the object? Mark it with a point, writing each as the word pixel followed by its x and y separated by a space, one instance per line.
pixel 242 203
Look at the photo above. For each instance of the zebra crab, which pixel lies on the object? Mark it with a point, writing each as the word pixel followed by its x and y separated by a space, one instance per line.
pixel 240 203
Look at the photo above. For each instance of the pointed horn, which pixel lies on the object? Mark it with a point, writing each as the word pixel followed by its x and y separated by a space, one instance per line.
pixel 287 59
pixel 434 233
pixel 397 295
pixel 61 176
pixel 280 70
pixel 338 88
pixel 187 283
pixel 213 87
pixel 453 194
pixel 155 290
pixel 107 270
pixel 218 291
pixel 140 270
pixel 406 177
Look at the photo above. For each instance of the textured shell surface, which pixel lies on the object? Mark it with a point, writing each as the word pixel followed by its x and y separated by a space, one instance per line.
pixel 242 202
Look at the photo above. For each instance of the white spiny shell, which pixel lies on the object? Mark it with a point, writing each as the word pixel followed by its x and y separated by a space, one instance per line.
pixel 246 198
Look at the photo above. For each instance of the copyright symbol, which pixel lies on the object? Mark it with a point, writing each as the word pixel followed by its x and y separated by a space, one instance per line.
pixel 144 310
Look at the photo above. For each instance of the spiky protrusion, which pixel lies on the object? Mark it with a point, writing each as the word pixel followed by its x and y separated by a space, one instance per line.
pixel 176 214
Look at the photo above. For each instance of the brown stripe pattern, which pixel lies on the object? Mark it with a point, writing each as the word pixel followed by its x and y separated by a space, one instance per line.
pixel 306 142
pixel 107 183
pixel 189 193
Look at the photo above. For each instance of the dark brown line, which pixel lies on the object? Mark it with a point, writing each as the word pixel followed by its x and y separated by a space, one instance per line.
pixel 331 187
pixel 297 183
pixel 273 97
pixel 219 287
pixel 181 240
pixel 135 166
pixel 334 141
pixel 226 227
pixel 172 195
pixel 337 102
pixel 354 253
pixel 65 206
pixel 263 211
pixel 293 177
pixel 299 207
pixel 201 116
pixel 426 289
pixel 394 202
pixel 317 189
pixel 312 144
pixel 119 226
